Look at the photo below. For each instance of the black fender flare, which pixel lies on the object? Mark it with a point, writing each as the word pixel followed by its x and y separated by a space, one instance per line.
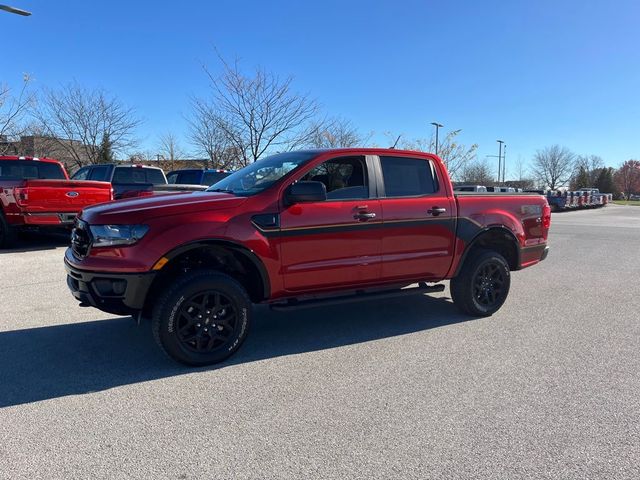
pixel 247 253
pixel 499 228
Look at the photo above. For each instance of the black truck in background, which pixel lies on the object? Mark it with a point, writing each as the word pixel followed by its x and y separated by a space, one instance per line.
pixel 131 180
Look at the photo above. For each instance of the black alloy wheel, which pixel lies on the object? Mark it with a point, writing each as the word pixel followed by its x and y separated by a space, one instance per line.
pixel 482 285
pixel 206 321
pixel 488 284
pixel 202 317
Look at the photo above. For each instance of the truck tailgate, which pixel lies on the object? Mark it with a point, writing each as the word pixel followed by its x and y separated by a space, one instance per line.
pixel 60 196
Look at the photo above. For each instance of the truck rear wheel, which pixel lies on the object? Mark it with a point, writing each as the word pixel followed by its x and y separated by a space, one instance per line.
pixel 482 285
pixel 202 318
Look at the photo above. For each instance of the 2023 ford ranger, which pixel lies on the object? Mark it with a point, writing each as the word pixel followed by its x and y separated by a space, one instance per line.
pixel 298 229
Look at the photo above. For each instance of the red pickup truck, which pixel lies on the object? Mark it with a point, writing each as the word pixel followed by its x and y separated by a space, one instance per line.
pixel 299 229
pixel 38 193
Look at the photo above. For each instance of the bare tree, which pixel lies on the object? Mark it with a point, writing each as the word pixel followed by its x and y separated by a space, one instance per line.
pixel 454 154
pixel 210 137
pixel 592 165
pixel 553 166
pixel 477 172
pixel 77 119
pixel 169 148
pixel 334 133
pixel 257 113
pixel 13 110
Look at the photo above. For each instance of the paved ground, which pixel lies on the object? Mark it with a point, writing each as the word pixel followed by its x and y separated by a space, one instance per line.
pixel 547 388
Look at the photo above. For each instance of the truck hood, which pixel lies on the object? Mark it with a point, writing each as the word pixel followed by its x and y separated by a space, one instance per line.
pixel 139 210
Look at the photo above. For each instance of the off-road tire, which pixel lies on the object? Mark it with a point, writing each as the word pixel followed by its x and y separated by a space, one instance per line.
pixel 173 323
pixel 482 285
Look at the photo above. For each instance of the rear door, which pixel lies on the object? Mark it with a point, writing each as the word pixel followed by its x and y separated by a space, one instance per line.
pixel 419 220
pixel 334 243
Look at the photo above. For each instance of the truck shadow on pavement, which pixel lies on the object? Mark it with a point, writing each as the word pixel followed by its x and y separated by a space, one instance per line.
pixel 50 362
pixel 31 242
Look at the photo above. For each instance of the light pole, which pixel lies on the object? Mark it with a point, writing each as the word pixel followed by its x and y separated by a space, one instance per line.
pixel 17 11
pixel 504 163
pixel 438 126
pixel 500 142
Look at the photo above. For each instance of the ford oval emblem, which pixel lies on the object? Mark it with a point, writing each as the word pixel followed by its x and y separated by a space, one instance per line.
pixel 72 194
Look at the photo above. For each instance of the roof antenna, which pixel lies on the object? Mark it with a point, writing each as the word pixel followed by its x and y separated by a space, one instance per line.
pixel 397 140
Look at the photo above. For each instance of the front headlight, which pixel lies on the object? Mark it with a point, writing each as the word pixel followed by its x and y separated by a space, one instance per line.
pixel 111 235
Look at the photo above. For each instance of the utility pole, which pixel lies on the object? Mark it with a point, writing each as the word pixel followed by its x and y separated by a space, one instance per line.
pixel 500 142
pixel 504 163
pixel 438 126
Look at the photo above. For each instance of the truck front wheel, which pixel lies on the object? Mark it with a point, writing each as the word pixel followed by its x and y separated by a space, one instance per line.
pixel 482 285
pixel 202 318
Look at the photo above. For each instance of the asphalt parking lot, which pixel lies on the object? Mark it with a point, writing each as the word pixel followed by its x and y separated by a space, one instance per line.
pixel 549 387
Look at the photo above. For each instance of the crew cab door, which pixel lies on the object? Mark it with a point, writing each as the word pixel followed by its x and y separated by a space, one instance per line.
pixel 333 243
pixel 419 220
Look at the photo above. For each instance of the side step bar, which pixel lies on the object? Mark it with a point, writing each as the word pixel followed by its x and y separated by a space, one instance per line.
pixel 357 297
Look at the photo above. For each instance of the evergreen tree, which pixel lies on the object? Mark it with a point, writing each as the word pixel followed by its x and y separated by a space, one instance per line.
pixel 605 182
pixel 581 179
pixel 105 152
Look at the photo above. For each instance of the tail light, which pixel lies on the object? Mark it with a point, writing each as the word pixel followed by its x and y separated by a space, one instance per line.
pixel 22 196
pixel 546 217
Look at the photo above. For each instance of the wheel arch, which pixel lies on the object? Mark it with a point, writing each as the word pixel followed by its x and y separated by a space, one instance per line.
pixel 229 257
pixel 497 238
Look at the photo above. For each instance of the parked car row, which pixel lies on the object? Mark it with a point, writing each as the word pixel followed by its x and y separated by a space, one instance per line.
pixel 482 189
pixel 583 198
pixel 558 201
pixel 37 193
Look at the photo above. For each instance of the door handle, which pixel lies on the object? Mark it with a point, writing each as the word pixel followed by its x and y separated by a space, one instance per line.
pixel 364 216
pixel 435 211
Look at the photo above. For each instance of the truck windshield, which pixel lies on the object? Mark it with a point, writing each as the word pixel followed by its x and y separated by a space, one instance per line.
pixel 260 175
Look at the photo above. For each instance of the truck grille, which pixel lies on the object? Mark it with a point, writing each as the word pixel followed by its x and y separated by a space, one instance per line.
pixel 80 239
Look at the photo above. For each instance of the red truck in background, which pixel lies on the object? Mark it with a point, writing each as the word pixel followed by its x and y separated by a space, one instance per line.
pixel 295 230
pixel 38 193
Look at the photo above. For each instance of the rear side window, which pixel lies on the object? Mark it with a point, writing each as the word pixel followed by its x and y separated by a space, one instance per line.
pixel 99 173
pixel 81 174
pixel 17 169
pixel 408 177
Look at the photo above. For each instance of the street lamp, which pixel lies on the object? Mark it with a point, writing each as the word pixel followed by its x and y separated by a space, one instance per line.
pixel 500 142
pixel 438 126
pixel 17 11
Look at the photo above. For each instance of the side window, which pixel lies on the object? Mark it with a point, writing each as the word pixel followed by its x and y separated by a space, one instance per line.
pixel 172 177
pixel 99 173
pixel 345 178
pixel 81 174
pixel 408 177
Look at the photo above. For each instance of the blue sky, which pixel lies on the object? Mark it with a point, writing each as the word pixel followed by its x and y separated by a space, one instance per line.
pixel 533 73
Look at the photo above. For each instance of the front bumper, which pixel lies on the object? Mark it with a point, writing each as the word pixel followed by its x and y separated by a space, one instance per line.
pixel 117 293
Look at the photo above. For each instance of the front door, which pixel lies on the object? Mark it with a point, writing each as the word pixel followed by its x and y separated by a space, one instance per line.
pixel 419 235
pixel 334 243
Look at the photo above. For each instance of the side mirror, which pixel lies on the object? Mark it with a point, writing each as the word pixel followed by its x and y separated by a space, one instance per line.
pixel 303 192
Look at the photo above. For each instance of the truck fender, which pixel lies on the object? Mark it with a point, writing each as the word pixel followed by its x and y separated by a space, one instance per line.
pixel 247 253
